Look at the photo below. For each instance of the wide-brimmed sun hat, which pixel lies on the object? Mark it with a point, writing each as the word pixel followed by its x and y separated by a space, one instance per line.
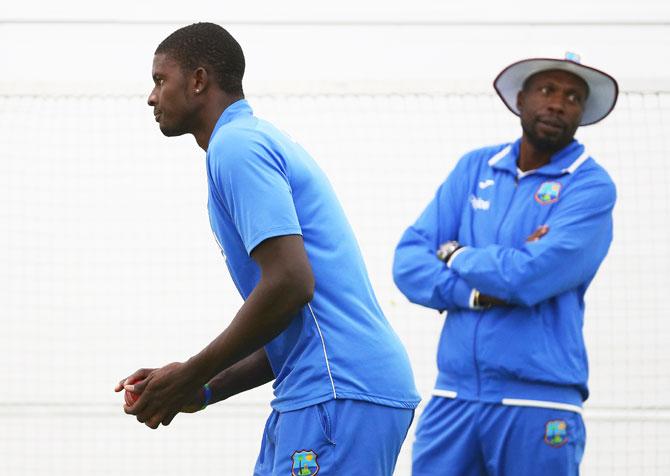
pixel 603 88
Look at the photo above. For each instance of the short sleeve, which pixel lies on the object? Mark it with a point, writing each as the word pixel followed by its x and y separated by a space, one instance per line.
pixel 253 182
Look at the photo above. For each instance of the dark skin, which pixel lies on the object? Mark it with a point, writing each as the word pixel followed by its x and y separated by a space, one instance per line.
pixel 235 361
pixel 186 103
pixel 551 106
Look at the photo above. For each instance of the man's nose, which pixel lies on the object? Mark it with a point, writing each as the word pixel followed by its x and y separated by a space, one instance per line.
pixel 152 99
pixel 557 102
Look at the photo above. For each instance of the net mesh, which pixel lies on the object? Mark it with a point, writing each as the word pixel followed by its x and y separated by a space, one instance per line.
pixel 108 264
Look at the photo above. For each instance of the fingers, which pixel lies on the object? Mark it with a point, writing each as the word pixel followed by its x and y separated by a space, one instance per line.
pixel 136 386
pixel 145 417
pixel 160 418
pixel 539 233
pixel 159 398
pixel 138 375
pixel 140 406
pixel 141 409
pixel 146 408
pixel 153 415
pixel 167 420
pixel 154 421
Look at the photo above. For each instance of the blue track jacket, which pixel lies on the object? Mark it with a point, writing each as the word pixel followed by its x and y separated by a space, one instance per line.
pixel 532 351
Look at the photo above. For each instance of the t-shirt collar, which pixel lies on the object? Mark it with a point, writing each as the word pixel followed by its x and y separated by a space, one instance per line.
pixel 236 109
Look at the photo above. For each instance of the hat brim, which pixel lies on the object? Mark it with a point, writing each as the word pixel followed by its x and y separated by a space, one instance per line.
pixel 603 88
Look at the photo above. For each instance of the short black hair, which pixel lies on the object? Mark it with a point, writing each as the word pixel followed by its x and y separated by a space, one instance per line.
pixel 209 46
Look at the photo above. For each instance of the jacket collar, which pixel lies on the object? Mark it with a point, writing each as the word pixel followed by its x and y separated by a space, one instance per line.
pixel 566 160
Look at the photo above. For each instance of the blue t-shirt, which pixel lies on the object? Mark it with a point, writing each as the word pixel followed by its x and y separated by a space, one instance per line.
pixel 262 184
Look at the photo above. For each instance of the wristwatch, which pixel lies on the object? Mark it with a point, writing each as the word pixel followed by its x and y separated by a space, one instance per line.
pixel 447 249
pixel 476 301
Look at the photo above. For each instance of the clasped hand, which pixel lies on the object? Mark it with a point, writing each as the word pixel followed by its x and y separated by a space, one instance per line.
pixel 163 393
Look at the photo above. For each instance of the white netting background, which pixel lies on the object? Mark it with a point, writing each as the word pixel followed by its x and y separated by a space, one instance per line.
pixel 108 264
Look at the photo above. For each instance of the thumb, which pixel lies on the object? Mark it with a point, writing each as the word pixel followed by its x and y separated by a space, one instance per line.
pixel 136 386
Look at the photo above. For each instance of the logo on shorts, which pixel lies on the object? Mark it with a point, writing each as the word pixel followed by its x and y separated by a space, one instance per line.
pixel 556 433
pixel 548 193
pixel 304 463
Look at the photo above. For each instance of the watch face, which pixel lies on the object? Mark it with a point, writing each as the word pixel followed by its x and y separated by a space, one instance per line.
pixel 446 249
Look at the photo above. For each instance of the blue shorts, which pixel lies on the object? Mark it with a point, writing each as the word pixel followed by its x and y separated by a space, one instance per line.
pixel 332 438
pixel 464 438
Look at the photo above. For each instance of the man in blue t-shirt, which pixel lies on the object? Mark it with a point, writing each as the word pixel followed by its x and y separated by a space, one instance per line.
pixel 344 390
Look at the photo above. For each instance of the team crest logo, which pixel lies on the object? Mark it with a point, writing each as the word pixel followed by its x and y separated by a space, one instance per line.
pixel 304 463
pixel 548 193
pixel 556 433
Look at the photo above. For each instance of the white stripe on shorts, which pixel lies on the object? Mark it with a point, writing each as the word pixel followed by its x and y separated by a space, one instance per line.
pixel 517 402
pixel 444 393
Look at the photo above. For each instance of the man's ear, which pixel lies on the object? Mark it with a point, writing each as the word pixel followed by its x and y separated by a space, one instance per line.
pixel 519 100
pixel 200 80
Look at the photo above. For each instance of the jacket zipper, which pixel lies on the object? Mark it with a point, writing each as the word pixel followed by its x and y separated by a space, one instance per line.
pixel 474 352
pixel 481 313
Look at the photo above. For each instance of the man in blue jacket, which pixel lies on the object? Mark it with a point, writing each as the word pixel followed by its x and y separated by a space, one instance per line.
pixel 310 322
pixel 508 247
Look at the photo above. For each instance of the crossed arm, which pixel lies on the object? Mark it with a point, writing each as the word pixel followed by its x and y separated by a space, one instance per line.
pixel 487 301
pixel 549 263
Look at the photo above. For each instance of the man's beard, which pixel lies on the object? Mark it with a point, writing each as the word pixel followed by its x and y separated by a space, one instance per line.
pixel 171 129
pixel 545 143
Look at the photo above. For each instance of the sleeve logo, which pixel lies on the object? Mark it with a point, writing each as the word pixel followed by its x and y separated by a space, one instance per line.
pixel 548 193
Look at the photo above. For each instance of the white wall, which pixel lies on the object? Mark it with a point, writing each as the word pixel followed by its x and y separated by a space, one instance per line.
pixel 100 245
pixel 112 43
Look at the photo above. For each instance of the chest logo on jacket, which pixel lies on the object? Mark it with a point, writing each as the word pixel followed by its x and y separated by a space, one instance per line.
pixel 548 193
